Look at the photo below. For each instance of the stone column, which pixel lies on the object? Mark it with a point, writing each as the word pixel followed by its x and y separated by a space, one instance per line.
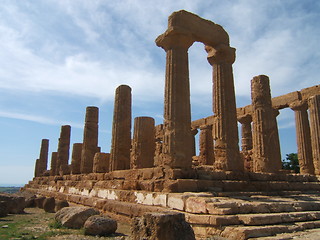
pixel 53 165
pixel 43 158
pixel 36 169
pixel 177 144
pixel 63 148
pixel 193 141
pixel 90 139
pixel 206 149
pixel 143 148
pixel 227 156
pixel 303 137
pixel 265 152
pixel 101 162
pixel 76 158
pixel 246 132
pixel 121 130
pixel 314 116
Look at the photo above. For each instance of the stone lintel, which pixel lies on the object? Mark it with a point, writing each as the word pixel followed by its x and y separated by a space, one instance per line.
pixel 284 101
pixel 310 91
pixel 201 30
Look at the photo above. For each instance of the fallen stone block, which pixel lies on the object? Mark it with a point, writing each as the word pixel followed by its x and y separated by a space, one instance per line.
pixel 100 226
pixel 74 217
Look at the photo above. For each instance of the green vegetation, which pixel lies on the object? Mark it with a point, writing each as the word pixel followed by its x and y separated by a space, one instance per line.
pixel 291 162
pixel 9 189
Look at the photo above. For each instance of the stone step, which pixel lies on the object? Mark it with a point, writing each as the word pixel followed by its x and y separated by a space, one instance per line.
pixel 247 232
pixel 251 219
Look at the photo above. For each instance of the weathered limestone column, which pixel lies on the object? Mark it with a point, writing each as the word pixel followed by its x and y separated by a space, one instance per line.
pixel 303 137
pixel 227 155
pixel 206 149
pixel 36 169
pixel 90 139
pixel 101 162
pixel 76 158
pixel 177 144
pixel 63 148
pixel 143 148
pixel 265 152
pixel 121 130
pixel 314 116
pixel 43 158
pixel 246 132
pixel 53 165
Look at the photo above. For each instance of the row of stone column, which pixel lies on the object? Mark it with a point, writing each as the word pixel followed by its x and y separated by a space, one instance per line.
pixel 261 144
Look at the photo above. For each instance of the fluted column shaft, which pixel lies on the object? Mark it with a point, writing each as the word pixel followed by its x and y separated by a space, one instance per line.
pixel 143 147
pixel 36 169
pixel 90 139
pixel 177 144
pixel 76 158
pixel 63 148
pixel 227 155
pixel 121 130
pixel 303 137
pixel 314 116
pixel 266 157
pixel 206 149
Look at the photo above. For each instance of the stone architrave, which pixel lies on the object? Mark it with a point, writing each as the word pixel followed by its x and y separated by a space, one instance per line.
pixel 101 162
pixel 206 148
pixel 227 155
pixel 143 147
pixel 53 165
pixel 76 158
pixel 177 143
pixel 266 156
pixel 314 117
pixel 43 158
pixel 300 109
pixel 63 148
pixel 36 168
pixel 90 139
pixel 121 130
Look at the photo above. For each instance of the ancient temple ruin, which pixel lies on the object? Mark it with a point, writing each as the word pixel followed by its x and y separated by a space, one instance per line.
pixel 222 190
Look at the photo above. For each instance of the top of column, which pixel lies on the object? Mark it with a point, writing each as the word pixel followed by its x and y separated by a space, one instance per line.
pixel 194 28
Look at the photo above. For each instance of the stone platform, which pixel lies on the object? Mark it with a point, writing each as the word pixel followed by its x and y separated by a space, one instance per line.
pixel 232 205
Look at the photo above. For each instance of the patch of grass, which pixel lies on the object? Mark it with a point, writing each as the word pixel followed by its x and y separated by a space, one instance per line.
pixel 56 225
pixel 9 189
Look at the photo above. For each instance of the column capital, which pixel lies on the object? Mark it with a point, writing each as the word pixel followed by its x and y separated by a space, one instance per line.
pixel 174 39
pixel 299 105
pixel 220 54
pixel 247 118
pixel 204 127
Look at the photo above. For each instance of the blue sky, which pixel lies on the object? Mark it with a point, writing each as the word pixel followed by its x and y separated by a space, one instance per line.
pixel 59 56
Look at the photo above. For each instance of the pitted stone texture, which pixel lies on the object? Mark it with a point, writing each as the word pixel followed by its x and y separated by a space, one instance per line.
pixel 143 143
pixel 101 162
pixel 121 130
pixel 14 203
pixel 100 226
pixel 266 154
pixel 162 226
pixel 90 139
pixel 63 148
pixel 74 217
